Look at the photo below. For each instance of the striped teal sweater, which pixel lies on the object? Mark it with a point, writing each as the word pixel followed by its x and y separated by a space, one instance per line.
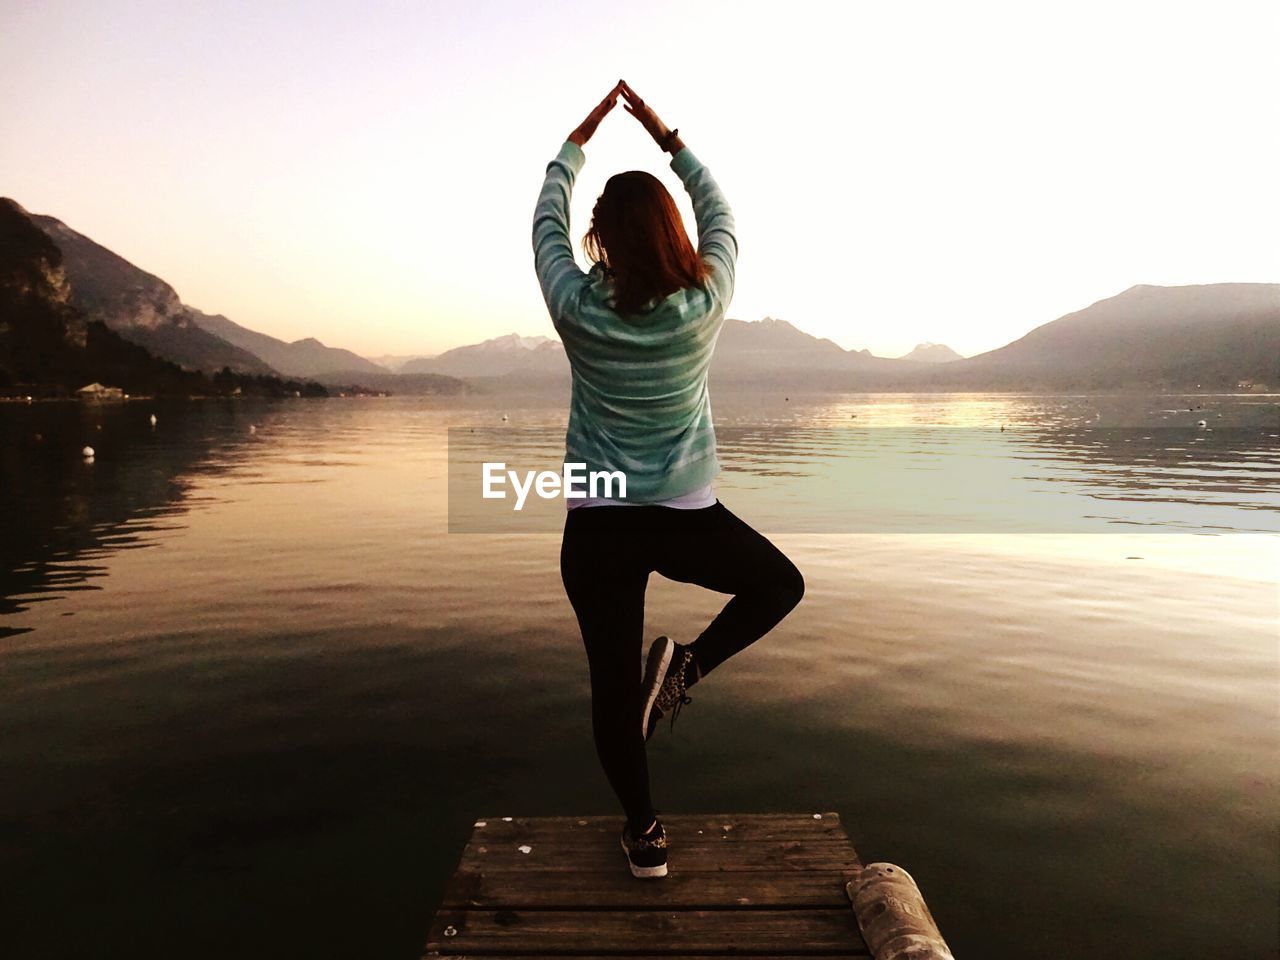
pixel 639 402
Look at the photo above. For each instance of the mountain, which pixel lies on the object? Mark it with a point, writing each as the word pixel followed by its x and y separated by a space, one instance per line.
pixel 141 307
pixel 1147 337
pixel 764 352
pixel 49 347
pixel 47 344
pixel 394 362
pixel 772 352
pixel 301 358
pixel 512 354
pixel 931 353
pixel 771 344
pixel 1212 335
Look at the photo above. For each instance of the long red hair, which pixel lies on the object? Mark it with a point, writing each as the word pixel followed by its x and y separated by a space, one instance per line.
pixel 637 233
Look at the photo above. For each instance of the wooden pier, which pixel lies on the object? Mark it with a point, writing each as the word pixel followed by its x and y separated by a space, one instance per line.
pixel 763 885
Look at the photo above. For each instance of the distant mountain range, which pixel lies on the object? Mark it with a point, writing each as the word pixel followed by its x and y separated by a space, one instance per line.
pixel 510 355
pixel 1214 335
pixel 394 361
pixel 767 350
pixel 301 358
pixel 523 356
pixel 932 353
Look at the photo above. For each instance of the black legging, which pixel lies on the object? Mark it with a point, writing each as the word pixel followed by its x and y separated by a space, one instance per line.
pixel 606 557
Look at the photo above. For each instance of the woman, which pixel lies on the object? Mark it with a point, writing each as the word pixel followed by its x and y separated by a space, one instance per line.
pixel 639 329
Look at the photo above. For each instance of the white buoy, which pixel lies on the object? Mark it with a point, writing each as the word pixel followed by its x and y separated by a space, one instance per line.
pixel 252 428
pixel 153 419
pixel 1202 424
pixel 88 453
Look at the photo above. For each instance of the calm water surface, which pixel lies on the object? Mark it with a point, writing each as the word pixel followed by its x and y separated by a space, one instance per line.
pixel 253 693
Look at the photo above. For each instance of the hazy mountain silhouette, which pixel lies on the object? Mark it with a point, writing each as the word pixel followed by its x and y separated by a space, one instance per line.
pixel 931 353
pixel 768 350
pixel 776 353
pixel 764 352
pixel 511 354
pixel 1211 335
pixel 395 361
pixel 301 358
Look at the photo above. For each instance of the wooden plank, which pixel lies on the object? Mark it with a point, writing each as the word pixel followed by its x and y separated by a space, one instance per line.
pixel 548 857
pixel 763 816
pixel 622 932
pixel 615 887
pixel 772 826
pixel 705 843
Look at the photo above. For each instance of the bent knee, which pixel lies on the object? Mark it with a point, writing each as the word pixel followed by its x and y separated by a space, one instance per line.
pixel 790 586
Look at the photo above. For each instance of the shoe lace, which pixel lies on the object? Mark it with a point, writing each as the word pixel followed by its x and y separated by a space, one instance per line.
pixel 675 710
pixel 672 693
pixel 672 696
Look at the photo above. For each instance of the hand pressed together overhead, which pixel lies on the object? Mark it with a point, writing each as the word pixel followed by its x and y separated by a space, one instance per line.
pixel 634 106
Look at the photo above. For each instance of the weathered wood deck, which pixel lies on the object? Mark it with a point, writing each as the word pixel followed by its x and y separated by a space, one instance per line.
pixel 761 885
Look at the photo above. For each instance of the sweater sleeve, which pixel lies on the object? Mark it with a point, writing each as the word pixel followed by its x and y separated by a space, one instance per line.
pixel 558 273
pixel 717 242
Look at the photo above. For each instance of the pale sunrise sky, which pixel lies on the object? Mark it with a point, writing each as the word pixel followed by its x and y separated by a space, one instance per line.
pixel 365 173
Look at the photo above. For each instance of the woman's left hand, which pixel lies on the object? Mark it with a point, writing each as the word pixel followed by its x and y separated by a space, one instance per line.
pixel 588 126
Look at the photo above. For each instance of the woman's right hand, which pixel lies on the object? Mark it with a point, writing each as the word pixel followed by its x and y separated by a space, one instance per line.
pixel 644 113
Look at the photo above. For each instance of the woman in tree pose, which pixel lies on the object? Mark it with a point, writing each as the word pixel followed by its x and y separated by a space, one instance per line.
pixel 639 329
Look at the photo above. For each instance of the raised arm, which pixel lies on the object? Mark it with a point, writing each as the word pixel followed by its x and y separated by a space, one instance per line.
pixel 558 273
pixel 717 241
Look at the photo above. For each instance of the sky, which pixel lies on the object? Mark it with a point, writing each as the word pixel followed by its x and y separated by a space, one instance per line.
pixel 365 173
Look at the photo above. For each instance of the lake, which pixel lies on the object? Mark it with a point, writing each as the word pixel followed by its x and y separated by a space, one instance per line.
pixel 265 662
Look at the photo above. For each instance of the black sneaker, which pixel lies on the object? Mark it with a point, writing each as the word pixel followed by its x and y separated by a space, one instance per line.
pixel 663 687
pixel 647 853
